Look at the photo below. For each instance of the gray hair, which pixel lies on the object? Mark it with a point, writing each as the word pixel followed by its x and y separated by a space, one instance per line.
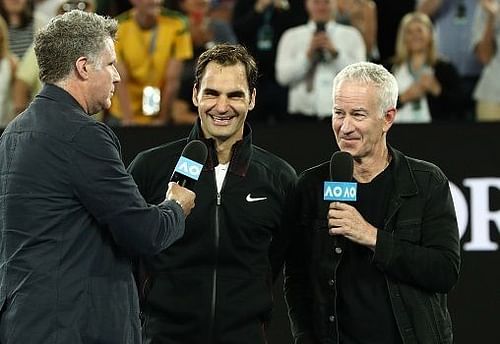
pixel 375 74
pixel 68 37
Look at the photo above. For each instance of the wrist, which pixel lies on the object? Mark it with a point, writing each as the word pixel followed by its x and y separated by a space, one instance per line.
pixel 179 203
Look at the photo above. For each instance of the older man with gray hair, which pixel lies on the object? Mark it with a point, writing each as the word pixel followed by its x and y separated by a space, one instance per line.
pixel 70 214
pixel 377 269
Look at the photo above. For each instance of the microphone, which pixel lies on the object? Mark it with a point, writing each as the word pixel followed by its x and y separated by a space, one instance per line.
pixel 341 167
pixel 320 26
pixel 188 168
pixel 320 55
pixel 340 187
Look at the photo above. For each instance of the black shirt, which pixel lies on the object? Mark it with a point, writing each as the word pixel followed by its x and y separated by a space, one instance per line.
pixel 363 306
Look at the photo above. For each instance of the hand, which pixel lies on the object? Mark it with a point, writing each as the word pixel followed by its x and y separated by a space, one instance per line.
pixel 429 84
pixel 345 220
pixel 321 42
pixel 184 197
pixel 414 92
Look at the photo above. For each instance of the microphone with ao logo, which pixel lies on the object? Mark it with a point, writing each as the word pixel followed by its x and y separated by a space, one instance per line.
pixel 190 164
pixel 340 188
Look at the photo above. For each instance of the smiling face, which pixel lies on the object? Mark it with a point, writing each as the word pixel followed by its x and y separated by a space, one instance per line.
pixel 358 124
pixel 417 37
pixel 223 100
pixel 102 77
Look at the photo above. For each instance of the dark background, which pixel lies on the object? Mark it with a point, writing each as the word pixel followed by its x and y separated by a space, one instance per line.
pixel 461 150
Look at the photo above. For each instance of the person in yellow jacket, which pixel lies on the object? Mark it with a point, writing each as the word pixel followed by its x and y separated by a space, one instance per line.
pixel 152 43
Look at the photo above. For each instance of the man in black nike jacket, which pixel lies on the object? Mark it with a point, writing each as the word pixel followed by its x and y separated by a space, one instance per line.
pixel 215 284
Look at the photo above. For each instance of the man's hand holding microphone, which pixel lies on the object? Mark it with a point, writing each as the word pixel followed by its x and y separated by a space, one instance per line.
pixel 186 174
pixel 344 219
pixel 182 196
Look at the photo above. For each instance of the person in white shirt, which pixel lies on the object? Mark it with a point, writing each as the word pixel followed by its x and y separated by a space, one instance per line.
pixel 486 42
pixel 310 55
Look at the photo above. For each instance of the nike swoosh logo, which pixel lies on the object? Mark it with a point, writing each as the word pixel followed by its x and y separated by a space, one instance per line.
pixel 255 199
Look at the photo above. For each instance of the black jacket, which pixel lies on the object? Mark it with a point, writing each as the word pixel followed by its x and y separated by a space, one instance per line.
pixel 70 214
pixel 417 251
pixel 214 285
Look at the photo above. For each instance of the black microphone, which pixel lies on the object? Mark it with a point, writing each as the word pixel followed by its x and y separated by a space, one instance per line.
pixel 190 164
pixel 320 55
pixel 341 167
pixel 340 187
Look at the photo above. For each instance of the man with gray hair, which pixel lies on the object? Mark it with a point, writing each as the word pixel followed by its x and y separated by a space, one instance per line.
pixel 71 216
pixel 376 269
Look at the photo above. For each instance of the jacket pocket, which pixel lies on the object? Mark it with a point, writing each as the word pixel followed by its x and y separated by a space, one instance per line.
pixel 409 230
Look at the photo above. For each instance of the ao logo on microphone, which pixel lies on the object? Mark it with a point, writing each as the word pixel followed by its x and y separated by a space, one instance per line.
pixel 340 191
pixel 188 168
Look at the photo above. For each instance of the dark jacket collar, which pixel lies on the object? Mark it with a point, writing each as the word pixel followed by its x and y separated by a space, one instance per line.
pixel 241 151
pixel 56 93
pixel 404 179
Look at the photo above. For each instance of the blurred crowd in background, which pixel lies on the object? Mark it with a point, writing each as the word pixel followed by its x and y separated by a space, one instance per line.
pixel 443 54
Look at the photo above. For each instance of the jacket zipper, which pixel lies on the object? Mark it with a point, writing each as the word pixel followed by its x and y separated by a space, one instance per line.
pixel 214 273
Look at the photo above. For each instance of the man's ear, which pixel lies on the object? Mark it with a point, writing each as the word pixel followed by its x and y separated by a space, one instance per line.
pixel 252 99
pixel 389 117
pixel 82 65
pixel 195 95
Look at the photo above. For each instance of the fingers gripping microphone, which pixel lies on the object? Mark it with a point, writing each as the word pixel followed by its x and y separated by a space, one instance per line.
pixel 188 168
pixel 340 187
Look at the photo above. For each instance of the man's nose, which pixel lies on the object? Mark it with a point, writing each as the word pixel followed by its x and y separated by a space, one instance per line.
pixel 222 104
pixel 116 75
pixel 347 125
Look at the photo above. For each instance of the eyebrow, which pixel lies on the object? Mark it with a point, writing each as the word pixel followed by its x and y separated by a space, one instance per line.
pixel 360 109
pixel 236 93
pixel 210 91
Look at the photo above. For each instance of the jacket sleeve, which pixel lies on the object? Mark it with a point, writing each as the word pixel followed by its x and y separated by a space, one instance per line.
pixel 104 187
pixel 424 251
pixel 291 63
pixel 297 290
pixel 281 236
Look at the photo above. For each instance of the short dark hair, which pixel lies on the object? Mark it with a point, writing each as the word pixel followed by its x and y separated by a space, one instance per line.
pixel 228 55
